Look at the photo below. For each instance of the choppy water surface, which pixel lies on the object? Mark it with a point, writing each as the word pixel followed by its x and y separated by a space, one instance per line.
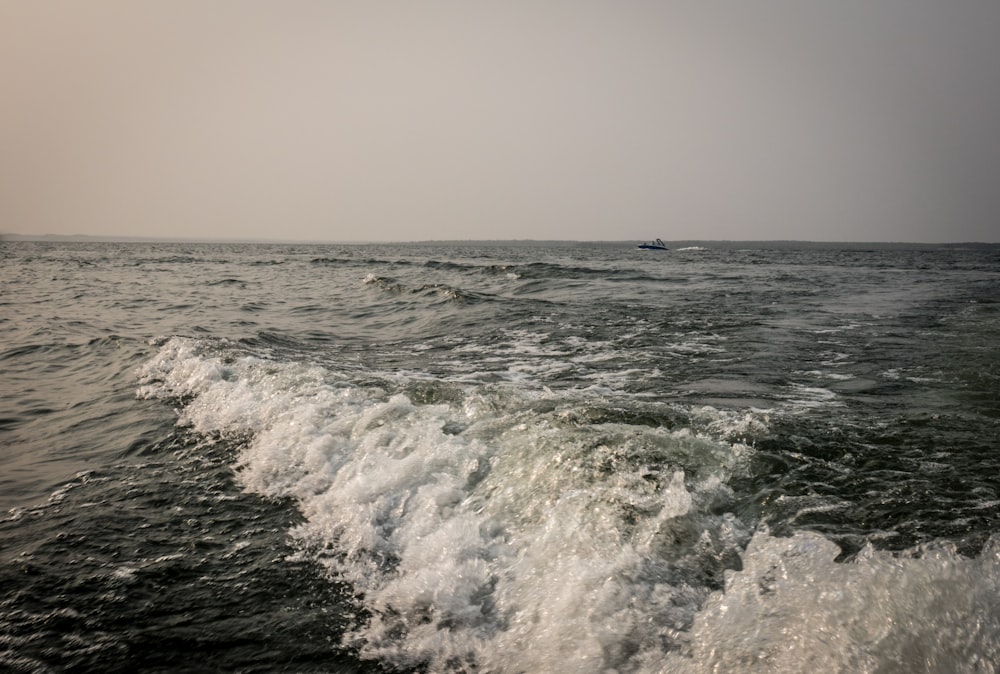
pixel 499 458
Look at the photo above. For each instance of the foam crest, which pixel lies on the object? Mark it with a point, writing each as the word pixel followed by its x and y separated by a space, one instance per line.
pixel 505 532
pixel 480 534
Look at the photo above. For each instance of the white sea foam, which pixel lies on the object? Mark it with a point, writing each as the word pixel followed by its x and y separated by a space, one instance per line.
pixel 501 534
pixel 793 609
pixel 802 398
pixel 525 542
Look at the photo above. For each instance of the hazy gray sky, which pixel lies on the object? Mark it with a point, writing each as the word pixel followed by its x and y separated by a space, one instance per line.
pixel 544 119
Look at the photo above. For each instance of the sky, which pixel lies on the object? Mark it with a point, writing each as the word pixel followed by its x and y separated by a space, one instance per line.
pixel 609 120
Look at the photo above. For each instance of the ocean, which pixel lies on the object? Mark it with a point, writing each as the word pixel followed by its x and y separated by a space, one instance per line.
pixel 499 458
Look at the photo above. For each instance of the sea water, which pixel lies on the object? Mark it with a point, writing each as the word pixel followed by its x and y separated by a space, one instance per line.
pixel 499 458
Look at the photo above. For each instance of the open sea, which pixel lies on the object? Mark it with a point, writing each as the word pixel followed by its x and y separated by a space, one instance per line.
pixel 513 459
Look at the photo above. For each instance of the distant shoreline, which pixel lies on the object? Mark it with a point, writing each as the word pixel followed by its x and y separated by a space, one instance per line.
pixel 675 244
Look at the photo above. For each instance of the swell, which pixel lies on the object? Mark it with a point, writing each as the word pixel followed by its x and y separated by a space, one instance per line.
pixel 533 270
pixel 545 270
pixel 431 291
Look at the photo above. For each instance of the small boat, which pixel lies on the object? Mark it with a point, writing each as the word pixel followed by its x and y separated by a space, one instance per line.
pixel 656 244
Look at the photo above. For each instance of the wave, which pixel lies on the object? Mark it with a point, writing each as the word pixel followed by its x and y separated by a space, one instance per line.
pixel 235 282
pixel 558 271
pixel 529 270
pixel 793 608
pixel 476 529
pixel 497 527
pixel 439 290
pixel 336 261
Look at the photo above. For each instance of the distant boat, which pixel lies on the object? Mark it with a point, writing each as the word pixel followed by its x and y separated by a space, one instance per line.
pixel 656 244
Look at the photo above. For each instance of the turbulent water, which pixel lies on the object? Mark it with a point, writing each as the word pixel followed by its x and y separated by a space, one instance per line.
pixel 499 458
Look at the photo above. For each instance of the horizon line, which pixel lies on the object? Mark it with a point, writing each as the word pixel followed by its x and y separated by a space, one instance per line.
pixel 82 238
